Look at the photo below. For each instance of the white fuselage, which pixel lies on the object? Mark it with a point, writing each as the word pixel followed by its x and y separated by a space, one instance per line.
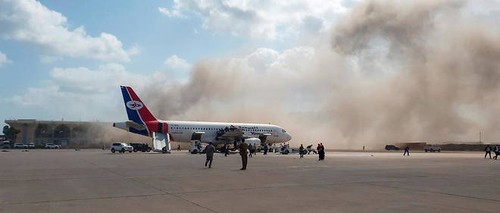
pixel 182 131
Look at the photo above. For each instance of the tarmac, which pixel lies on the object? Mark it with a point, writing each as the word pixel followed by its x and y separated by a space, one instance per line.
pixel 99 181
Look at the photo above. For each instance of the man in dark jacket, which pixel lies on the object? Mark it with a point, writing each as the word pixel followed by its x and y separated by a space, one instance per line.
pixel 209 150
pixel 244 155
pixel 487 150
pixel 407 151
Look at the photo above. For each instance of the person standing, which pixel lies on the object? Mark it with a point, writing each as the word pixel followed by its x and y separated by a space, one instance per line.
pixel 407 151
pixel 488 151
pixel 321 151
pixel 226 150
pixel 301 151
pixel 209 150
pixel 266 148
pixel 250 150
pixel 244 155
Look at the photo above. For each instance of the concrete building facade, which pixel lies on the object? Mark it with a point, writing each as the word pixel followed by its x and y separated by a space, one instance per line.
pixel 71 133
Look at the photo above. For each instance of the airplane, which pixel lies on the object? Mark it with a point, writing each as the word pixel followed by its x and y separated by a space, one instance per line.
pixel 143 122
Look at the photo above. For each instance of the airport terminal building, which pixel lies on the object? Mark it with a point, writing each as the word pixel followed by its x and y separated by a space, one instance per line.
pixel 71 134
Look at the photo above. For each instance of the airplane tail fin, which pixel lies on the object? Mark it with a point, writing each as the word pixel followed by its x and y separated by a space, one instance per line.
pixel 142 121
pixel 137 112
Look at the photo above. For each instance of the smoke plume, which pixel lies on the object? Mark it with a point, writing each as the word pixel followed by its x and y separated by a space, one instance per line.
pixel 390 71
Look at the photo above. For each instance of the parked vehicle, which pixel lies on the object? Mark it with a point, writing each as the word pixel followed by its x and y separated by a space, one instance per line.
pixel 432 148
pixel 121 148
pixel 31 145
pixel 141 147
pixel 52 146
pixel 391 147
pixel 20 146
pixel 5 145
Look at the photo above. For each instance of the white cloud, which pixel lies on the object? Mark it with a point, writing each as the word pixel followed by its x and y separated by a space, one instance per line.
pixel 104 78
pixel 176 63
pixel 262 59
pixel 4 59
pixel 83 93
pixel 262 19
pixel 170 13
pixel 30 21
pixel 177 68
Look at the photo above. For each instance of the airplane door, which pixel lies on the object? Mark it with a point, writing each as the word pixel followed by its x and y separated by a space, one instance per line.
pixel 196 136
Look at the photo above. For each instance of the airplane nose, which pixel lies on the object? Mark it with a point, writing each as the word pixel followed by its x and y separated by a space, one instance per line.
pixel 289 137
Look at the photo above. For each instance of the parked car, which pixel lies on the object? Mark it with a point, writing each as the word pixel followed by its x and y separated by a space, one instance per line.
pixel 31 145
pixel 20 146
pixel 391 147
pixel 52 146
pixel 142 147
pixel 432 148
pixel 5 145
pixel 121 148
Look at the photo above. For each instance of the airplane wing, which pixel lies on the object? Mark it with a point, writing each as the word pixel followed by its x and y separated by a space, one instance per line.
pixel 237 134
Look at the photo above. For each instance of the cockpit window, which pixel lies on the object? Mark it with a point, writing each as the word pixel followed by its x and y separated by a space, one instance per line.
pixel 282 130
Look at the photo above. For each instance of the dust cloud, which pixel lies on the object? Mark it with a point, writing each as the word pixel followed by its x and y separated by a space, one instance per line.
pixel 388 72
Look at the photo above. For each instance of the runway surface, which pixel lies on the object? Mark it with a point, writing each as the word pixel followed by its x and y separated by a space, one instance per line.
pixel 98 181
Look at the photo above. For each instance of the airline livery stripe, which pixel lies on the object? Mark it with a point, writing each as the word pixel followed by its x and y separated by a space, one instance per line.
pixel 145 115
pixel 138 113
pixel 133 114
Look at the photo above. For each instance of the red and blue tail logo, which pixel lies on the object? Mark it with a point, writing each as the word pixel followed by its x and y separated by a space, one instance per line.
pixel 138 112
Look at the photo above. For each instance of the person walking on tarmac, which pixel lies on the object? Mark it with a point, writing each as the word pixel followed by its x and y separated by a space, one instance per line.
pixel 266 148
pixel 301 151
pixel 496 150
pixel 226 150
pixel 488 151
pixel 250 150
pixel 209 151
pixel 244 154
pixel 407 151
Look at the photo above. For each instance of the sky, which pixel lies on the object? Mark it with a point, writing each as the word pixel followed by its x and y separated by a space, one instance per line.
pixel 56 56
pixel 293 63
pixel 59 58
